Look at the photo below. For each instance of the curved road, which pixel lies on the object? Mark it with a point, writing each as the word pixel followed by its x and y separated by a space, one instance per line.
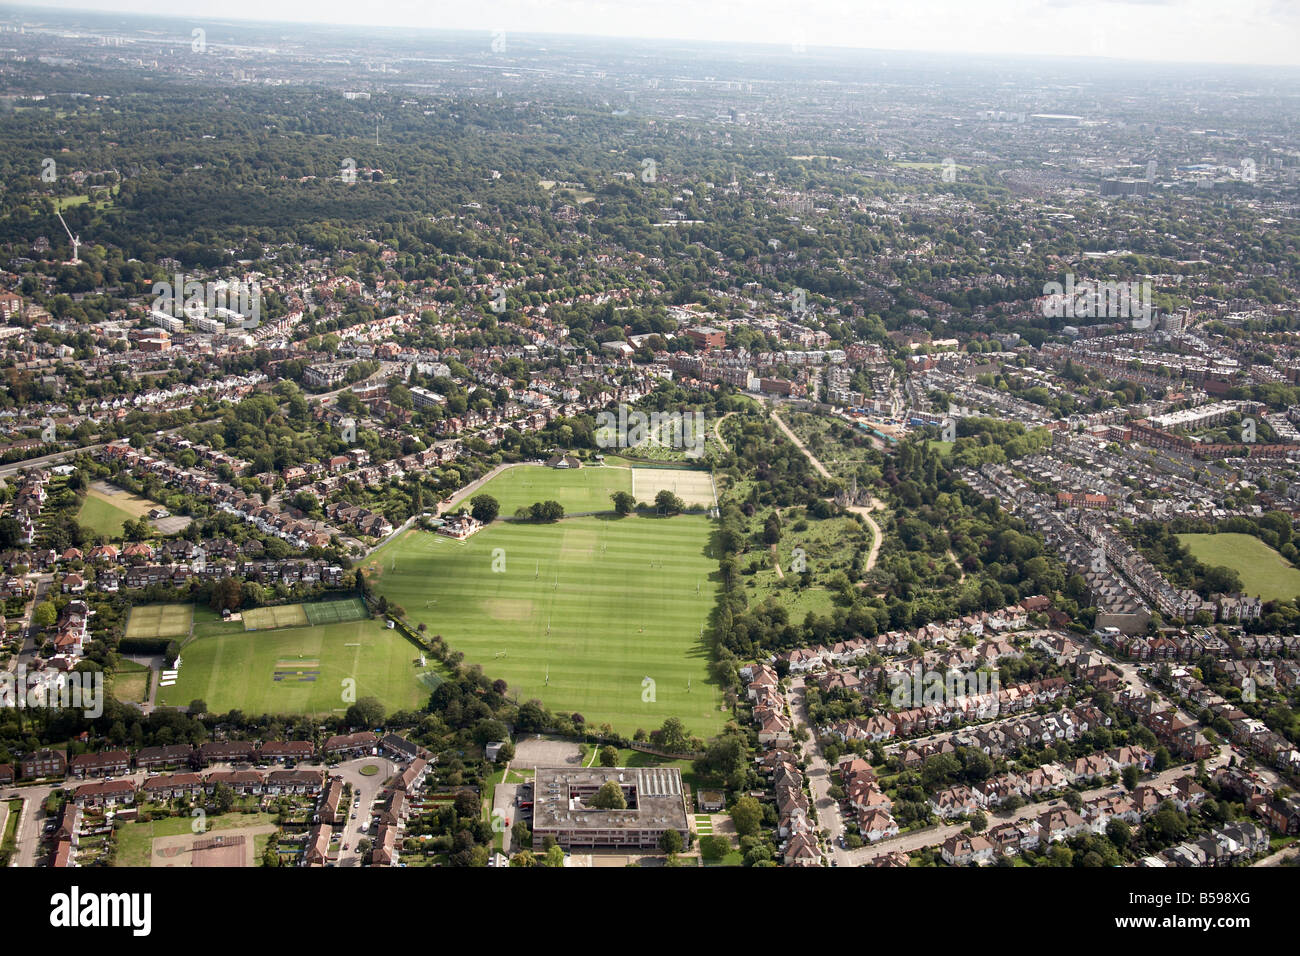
pixel 717 432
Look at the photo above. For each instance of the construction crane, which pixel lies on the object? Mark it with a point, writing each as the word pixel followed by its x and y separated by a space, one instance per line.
pixel 76 241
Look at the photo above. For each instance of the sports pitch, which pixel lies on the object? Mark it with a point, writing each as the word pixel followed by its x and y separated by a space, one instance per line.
pixel 304 615
pixel 299 670
pixel 580 489
pixel 336 612
pixel 276 616
pixel 578 615
pixel 589 488
pixel 693 487
pixel 160 620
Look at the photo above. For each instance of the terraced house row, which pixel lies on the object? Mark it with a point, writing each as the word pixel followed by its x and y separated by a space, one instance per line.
pixel 49 763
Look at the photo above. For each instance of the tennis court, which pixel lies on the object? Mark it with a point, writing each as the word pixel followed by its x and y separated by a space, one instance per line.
pixel 336 612
pixel 694 487
pixel 270 618
pixel 160 620
pixel 315 614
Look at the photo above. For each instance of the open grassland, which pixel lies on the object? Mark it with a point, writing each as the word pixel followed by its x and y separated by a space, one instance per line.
pixel 104 513
pixel 1263 571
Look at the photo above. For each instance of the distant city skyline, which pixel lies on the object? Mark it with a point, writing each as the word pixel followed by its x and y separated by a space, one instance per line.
pixel 1262 32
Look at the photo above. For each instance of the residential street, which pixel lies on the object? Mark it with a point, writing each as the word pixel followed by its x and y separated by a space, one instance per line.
pixel 32 822
pixel 366 788
pixel 828 810
pixel 819 777
pixel 937 835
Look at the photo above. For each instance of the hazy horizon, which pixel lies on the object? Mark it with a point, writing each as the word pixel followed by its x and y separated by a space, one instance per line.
pixel 1257 32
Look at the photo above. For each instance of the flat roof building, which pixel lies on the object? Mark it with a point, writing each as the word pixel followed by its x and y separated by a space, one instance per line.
pixel 655 804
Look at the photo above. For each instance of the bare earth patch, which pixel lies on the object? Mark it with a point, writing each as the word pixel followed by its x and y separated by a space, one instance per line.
pixel 543 752
pixel 220 848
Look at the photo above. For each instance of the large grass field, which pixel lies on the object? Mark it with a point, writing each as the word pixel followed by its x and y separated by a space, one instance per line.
pixel 104 514
pixel 582 489
pixel 230 668
pixel 1263 571
pixel 598 604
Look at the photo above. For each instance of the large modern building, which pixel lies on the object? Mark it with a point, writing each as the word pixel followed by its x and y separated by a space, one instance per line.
pixel 655 804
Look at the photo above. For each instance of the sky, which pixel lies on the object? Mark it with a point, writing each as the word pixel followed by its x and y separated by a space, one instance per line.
pixel 1195 31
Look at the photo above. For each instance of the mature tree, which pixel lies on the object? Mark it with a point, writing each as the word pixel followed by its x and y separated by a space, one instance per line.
pixel 521 834
pixel 1162 760
pixel 224 797
pixel 623 502
pixel 554 856
pixel 1118 832
pixel 725 757
pixel 714 847
pixel 484 508
pixel 467 805
pixel 747 815
pixel 608 756
pixel 671 841
pixel 11 533
pixel 45 615
pixel 667 503
pixel 227 595
pixel 488 730
pixel 545 511
pixel 609 797
pixel 367 712
pixel 672 736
